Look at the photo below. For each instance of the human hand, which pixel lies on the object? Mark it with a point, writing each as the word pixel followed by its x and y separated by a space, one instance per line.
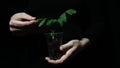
pixel 70 48
pixel 21 24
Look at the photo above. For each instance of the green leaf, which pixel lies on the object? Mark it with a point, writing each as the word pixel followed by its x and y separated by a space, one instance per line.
pixel 71 11
pixel 62 19
pixel 51 21
pixel 41 22
pixel 54 21
pixel 60 22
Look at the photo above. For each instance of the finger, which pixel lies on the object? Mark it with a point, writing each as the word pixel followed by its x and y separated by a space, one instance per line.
pixel 53 61
pixel 63 58
pixel 24 18
pixel 21 16
pixel 68 54
pixel 15 23
pixel 12 29
pixel 66 46
pixel 17 32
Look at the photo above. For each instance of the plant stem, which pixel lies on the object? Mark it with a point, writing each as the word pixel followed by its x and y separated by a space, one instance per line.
pixel 53 34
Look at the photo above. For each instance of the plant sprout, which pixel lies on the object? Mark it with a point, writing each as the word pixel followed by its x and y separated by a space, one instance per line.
pixel 62 19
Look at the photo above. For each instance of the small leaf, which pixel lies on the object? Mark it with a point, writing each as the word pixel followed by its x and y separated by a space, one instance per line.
pixel 71 11
pixel 51 21
pixel 60 22
pixel 41 22
pixel 38 20
pixel 54 21
pixel 62 19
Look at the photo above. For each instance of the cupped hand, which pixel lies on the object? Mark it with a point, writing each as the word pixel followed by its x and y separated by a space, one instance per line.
pixel 71 48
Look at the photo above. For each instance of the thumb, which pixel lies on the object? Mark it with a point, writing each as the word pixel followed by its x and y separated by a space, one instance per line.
pixel 66 46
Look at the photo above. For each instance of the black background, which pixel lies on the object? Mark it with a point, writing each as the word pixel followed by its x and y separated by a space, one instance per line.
pixel 112 34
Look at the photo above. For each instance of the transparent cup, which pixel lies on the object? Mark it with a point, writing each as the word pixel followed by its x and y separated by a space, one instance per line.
pixel 54 40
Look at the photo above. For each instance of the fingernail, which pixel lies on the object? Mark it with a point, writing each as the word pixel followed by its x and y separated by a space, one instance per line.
pixel 34 17
pixel 61 48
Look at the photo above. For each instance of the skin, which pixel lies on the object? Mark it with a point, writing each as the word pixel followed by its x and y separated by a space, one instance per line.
pixel 70 48
pixel 22 23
